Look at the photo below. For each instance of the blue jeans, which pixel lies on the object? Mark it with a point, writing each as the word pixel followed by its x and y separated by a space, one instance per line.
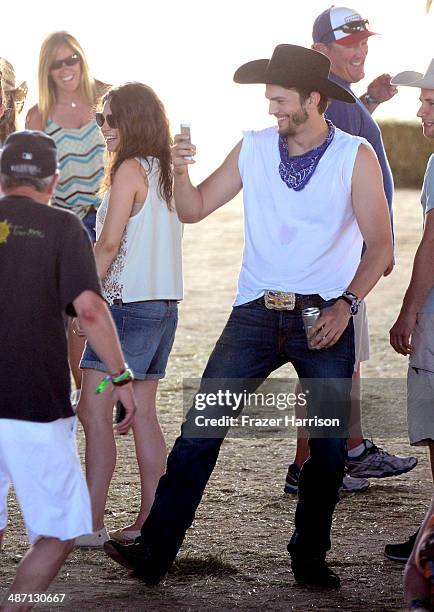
pixel 255 342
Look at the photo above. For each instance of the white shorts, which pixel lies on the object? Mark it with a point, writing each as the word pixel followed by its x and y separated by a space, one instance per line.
pixel 361 336
pixel 41 462
pixel 420 382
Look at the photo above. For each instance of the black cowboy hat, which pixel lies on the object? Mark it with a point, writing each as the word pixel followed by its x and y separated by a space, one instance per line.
pixel 294 66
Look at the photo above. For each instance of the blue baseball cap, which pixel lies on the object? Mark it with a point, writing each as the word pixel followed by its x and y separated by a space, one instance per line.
pixel 341 25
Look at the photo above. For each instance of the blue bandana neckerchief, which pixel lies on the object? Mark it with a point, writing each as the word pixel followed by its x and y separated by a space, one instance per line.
pixel 296 171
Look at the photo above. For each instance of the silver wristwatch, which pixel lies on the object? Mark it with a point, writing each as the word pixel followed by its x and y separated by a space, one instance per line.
pixel 370 100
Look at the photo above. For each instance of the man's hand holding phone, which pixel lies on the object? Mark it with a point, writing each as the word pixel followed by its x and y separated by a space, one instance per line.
pixel 183 151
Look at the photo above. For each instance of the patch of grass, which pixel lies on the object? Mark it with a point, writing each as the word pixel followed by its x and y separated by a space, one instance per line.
pixel 211 565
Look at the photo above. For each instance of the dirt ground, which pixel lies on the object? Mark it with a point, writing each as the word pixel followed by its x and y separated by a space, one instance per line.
pixel 235 557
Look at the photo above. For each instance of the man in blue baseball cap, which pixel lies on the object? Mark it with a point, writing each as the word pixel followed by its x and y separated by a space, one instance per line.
pixel 47 271
pixel 342 34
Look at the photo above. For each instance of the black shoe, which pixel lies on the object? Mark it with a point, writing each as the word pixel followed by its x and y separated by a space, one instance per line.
pixel 138 558
pixel 291 482
pixel 315 573
pixel 401 552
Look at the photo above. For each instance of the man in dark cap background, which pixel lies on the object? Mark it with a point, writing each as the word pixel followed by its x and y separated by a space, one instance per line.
pixel 47 268
pixel 312 195
pixel 342 34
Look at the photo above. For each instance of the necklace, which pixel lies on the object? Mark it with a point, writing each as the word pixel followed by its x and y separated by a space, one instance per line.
pixel 71 104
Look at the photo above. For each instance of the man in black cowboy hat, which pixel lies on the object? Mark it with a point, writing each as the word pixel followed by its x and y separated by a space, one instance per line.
pixel 308 188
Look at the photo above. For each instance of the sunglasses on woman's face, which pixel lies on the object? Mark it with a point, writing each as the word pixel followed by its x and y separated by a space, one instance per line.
pixel 72 60
pixel 101 119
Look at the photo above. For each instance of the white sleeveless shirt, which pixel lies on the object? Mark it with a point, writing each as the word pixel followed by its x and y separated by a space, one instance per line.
pixel 148 265
pixel 305 241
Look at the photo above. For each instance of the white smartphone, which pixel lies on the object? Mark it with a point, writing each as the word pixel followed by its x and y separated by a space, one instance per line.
pixel 186 131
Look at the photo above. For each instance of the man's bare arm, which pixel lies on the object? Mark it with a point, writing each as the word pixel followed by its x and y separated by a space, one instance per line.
pixel 98 326
pixel 422 277
pixel 379 90
pixel 370 207
pixel 195 203
pixel 421 283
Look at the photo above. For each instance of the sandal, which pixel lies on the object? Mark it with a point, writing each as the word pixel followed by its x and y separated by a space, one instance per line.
pixel 125 536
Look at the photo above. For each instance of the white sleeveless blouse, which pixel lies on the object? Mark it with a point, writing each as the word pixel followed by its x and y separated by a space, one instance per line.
pixel 148 265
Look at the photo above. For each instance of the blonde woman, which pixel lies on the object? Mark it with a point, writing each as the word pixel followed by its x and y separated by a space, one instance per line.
pixel 68 96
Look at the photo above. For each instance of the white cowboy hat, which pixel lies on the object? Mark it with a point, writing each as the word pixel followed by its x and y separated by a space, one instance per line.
pixel 416 79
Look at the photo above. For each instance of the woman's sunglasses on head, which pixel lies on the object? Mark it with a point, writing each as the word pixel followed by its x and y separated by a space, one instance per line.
pixel 101 119
pixel 72 60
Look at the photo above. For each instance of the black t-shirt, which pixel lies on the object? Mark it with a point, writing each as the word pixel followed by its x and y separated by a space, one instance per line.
pixel 46 261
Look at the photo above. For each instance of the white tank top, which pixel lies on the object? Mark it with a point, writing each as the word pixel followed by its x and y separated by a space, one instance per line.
pixel 304 241
pixel 148 265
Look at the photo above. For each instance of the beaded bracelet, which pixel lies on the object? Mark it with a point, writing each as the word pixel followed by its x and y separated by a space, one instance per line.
pixel 123 378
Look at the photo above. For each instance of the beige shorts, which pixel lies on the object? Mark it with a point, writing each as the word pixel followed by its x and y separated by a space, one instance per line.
pixel 420 383
pixel 361 336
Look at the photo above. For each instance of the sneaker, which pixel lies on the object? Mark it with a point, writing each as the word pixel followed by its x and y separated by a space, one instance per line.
pixel 291 482
pixel 374 462
pixel 139 559
pixel 349 484
pixel 401 552
pixel 354 485
pixel 92 540
pixel 315 573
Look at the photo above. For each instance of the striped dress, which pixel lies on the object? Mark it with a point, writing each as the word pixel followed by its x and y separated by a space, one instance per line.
pixel 81 163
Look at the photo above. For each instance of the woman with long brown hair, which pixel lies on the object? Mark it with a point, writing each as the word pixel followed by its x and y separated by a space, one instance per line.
pixel 138 255
pixel 68 97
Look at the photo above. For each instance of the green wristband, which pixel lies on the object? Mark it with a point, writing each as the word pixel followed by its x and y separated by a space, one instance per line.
pixel 103 384
pixel 121 379
pixel 124 377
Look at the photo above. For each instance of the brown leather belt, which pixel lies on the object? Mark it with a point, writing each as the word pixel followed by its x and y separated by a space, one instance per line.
pixel 286 300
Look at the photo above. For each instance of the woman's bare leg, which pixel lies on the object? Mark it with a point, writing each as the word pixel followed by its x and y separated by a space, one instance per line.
pixel 151 449
pixel 96 415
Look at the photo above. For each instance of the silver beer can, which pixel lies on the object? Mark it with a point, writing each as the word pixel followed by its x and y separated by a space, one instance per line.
pixel 309 315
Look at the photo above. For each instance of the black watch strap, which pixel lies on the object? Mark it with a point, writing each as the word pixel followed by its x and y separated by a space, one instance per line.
pixel 352 300
pixel 346 299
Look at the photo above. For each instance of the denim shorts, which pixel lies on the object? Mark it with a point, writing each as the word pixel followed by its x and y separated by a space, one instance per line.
pixel 146 331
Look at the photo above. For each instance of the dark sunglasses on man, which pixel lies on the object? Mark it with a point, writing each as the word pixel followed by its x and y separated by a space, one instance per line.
pixel 71 60
pixel 101 119
pixel 353 27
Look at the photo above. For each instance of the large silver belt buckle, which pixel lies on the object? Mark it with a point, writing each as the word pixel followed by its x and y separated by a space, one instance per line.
pixel 279 300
